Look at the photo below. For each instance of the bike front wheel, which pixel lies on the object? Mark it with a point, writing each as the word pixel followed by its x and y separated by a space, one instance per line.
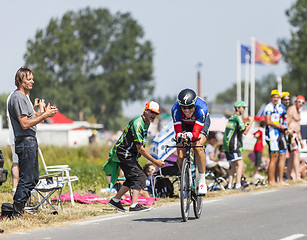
pixel 185 190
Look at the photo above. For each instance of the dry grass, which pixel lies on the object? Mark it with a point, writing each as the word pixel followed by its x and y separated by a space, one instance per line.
pixel 81 212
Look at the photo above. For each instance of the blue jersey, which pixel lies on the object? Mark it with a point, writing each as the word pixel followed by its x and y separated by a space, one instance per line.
pixel 283 114
pixel 272 133
pixel 197 120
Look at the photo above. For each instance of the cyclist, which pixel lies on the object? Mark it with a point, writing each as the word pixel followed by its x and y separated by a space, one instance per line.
pixel 191 122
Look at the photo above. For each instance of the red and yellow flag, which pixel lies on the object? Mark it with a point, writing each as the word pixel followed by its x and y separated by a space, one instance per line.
pixel 267 54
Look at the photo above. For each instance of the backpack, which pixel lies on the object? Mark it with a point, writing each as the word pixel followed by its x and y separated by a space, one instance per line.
pixel 7 210
pixel 164 188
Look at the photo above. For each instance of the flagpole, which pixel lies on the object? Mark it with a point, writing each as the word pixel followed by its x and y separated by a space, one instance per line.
pixel 279 84
pixel 246 87
pixel 238 71
pixel 252 102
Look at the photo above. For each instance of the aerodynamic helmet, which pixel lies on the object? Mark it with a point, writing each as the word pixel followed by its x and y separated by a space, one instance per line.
pixel 187 97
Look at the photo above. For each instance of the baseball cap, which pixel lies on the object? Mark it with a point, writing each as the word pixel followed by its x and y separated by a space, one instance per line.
pixel 240 104
pixel 275 92
pixel 153 106
pixel 300 97
pixel 283 94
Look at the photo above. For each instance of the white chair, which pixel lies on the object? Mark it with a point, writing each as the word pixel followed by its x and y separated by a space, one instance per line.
pixel 66 178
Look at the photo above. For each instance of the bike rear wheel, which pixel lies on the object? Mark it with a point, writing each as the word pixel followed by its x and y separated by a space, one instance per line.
pixel 185 190
pixel 197 200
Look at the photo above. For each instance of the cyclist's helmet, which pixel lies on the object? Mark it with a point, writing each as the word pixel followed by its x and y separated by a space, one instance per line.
pixel 187 97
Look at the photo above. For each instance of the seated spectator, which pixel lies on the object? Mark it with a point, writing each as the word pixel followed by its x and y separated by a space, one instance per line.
pixel 211 160
pixel 303 168
pixel 149 170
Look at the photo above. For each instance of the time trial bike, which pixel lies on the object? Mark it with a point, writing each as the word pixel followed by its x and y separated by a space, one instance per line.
pixel 189 182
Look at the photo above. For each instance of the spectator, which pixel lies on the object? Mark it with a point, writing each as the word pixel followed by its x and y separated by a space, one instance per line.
pixel 293 121
pixel 24 120
pixel 233 145
pixel 273 128
pixel 149 170
pixel 285 101
pixel 258 148
pixel 11 140
pixel 211 160
pixel 129 147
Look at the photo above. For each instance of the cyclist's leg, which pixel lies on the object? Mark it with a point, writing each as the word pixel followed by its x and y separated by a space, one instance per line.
pixel 180 156
pixel 200 155
pixel 200 158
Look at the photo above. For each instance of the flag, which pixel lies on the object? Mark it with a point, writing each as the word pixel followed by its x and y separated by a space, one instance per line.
pixel 266 54
pixel 165 137
pixel 245 50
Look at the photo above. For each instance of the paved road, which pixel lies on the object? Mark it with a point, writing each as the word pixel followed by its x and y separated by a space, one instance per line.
pixel 270 215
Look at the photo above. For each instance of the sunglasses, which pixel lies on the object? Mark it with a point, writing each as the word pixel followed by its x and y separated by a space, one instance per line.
pixel 300 101
pixel 188 107
pixel 152 112
pixel 151 170
pixel 286 99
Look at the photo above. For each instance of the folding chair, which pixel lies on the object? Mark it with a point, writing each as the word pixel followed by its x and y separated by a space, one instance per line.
pixel 66 178
pixel 47 186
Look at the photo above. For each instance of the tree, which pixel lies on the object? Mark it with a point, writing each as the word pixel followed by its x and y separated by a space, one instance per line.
pixel 263 89
pixel 295 50
pixel 89 62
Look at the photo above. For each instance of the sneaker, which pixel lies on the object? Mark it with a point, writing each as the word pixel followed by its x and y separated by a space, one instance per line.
pixel 202 187
pixel 139 208
pixel 258 176
pixel 117 205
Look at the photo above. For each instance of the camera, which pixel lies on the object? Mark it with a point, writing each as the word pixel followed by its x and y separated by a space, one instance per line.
pixel 3 172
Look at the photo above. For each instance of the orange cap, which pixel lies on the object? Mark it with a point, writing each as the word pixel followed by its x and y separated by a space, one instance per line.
pixel 300 97
pixel 153 106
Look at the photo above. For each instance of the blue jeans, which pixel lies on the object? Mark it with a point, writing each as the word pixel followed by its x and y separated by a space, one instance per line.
pixel 27 150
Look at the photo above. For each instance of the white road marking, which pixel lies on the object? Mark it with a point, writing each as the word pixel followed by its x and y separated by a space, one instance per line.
pixel 293 237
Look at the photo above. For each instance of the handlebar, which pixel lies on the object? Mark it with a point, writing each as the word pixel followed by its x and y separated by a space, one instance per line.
pixel 186 145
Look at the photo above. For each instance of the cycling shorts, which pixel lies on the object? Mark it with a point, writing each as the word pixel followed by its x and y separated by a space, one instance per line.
pixel 294 147
pixel 282 143
pixel 273 145
pixel 232 156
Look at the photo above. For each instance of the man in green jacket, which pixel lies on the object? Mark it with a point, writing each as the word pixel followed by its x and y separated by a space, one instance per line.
pixel 233 144
pixel 128 148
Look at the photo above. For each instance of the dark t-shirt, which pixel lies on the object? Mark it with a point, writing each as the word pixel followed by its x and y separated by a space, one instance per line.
pixel 19 105
pixel 134 133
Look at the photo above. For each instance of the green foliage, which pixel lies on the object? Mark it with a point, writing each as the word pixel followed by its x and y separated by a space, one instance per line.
pixel 3 98
pixel 294 50
pixel 89 62
pixel 85 162
pixel 263 89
